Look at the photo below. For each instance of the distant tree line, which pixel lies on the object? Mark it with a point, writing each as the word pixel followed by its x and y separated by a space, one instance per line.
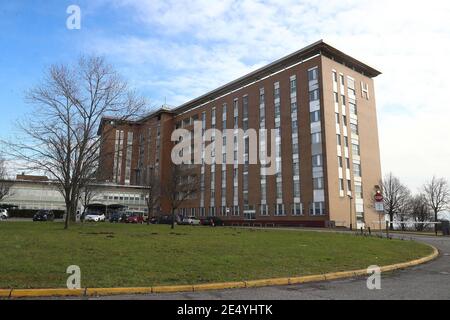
pixel 406 208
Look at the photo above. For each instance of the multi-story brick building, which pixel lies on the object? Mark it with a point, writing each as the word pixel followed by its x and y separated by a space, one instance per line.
pixel 322 103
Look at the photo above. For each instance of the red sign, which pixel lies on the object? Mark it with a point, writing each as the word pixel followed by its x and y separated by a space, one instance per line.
pixel 379 197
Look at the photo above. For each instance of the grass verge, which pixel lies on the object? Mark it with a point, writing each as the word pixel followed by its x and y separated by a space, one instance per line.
pixel 36 255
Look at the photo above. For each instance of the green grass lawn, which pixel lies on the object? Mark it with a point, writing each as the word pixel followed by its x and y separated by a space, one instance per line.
pixel 36 255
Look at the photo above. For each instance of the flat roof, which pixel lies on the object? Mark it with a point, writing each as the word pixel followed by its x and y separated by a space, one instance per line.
pixel 317 48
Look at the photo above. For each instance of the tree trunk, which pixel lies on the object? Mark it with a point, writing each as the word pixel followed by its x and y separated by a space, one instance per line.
pixel 435 220
pixel 150 212
pixel 68 213
pixel 391 219
pixel 173 219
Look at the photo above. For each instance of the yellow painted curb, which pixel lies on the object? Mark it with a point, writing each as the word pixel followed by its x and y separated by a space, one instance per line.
pixel 306 279
pixel 219 286
pixel 114 291
pixel 267 282
pixel 5 293
pixel 171 289
pixel 22 293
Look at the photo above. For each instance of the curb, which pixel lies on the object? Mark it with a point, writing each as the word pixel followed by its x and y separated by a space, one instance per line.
pixel 93 292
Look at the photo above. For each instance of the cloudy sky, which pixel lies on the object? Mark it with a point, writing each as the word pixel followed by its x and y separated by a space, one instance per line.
pixel 177 50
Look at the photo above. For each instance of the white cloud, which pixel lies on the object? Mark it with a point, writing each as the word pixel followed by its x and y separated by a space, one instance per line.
pixel 190 47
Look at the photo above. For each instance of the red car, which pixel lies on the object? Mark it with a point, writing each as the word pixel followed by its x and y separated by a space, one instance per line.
pixel 135 219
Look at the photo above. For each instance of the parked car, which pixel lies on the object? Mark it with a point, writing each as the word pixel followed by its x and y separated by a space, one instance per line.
pixel 117 217
pixel 190 221
pixel 211 221
pixel 44 215
pixel 153 220
pixel 135 219
pixel 3 214
pixel 165 220
pixel 95 217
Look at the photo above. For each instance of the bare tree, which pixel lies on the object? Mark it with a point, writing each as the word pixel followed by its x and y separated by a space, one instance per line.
pixel 420 211
pixel 5 186
pixel 182 185
pixel 396 196
pixel 88 193
pixel 60 138
pixel 437 194
pixel 153 192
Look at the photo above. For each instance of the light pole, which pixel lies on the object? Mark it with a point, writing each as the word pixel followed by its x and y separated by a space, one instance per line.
pixel 350 199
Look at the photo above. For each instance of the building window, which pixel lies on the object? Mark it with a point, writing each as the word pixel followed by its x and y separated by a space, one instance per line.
pixel 245 107
pixel 263 210
pixel 276 92
pixel 313 74
pixel 356 169
pixel 338 139
pixel 358 190
pixel 341 185
pixel 279 209
pixel 336 97
pixel 224 116
pixel 342 80
pixel 316 137
pixel 317 208
pixel 344 121
pixel 353 109
pixel 338 121
pixel 297 209
pixel 334 76
pixel 296 189
pixel 355 149
pixel 261 96
pixel 343 100
pixel 318 183
pixel 349 185
pixel 317 160
pixel 340 162
pixel 279 190
pixel 296 167
pixel 293 86
pixel 295 147
pixel 293 107
pixel 354 128
pixel 314 95
pixel 315 116
pixel 365 90
pixel 346 141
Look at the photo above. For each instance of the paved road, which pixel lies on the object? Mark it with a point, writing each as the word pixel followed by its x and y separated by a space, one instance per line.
pixel 427 281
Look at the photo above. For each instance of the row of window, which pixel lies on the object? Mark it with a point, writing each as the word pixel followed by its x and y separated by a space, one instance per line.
pixel 293 209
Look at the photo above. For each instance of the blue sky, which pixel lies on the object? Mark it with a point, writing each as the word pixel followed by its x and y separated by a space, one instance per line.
pixel 177 50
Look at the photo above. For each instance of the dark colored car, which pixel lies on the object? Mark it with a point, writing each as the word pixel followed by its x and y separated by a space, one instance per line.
pixel 165 220
pixel 44 215
pixel 116 217
pixel 153 220
pixel 135 219
pixel 211 221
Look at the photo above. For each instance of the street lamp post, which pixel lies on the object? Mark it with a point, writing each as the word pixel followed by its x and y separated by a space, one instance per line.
pixel 351 214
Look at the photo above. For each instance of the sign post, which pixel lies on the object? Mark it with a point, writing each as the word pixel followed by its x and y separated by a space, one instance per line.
pixel 379 206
